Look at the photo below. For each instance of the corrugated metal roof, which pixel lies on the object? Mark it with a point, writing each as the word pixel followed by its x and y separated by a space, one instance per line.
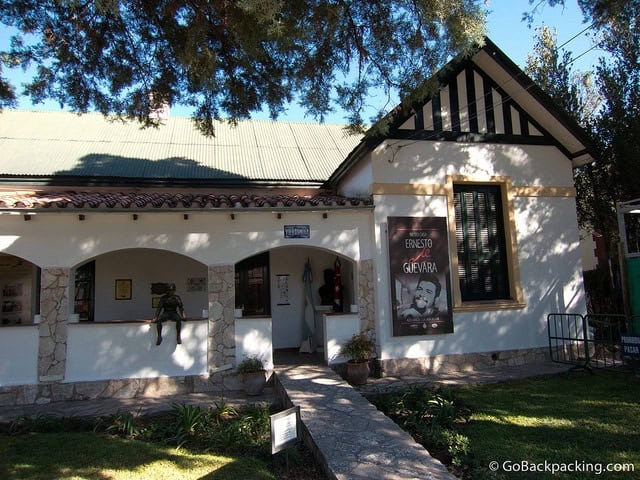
pixel 49 144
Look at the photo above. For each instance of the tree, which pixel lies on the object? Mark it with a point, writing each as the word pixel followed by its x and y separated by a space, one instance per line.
pixel 577 95
pixel 231 58
pixel 598 12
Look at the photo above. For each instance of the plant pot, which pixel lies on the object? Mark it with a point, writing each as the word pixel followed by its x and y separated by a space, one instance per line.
pixel 357 372
pixel 254 382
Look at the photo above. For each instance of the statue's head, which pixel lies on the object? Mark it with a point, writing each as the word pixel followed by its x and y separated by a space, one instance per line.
pixel 171 288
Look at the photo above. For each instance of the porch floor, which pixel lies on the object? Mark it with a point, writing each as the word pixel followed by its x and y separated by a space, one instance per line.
pixel 292 356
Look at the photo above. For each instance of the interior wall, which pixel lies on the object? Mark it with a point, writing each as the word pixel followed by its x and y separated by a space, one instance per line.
pixel 287 319
pixel 143 267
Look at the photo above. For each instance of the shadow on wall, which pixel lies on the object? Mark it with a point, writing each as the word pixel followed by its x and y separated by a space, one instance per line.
pixel 408 161
pixel 550 276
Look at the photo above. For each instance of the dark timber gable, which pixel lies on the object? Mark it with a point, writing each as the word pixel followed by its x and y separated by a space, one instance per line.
pixel 470 106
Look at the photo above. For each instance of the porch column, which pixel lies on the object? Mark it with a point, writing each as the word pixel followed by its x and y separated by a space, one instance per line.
pixel 221 342
pixel 54 312
pixel 366 298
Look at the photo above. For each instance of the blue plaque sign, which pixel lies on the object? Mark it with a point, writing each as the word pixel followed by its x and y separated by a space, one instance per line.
pixel 297 231
pixel 630 346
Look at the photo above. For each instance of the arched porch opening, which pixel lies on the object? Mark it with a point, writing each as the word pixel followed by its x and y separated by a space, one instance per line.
pixel 125 285
pixel 271 284
pixel 20 289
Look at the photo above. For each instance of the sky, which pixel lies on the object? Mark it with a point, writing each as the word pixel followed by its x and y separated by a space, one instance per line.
pixel 504 26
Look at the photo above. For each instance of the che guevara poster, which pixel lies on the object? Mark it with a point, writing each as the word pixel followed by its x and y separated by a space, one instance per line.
pixel 420 282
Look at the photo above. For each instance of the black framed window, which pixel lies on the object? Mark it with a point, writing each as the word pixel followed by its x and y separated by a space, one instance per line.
pixel 252 285
pixel 480 239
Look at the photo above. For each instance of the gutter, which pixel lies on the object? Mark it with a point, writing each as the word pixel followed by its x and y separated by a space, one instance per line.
pixel 128 182
pixel 73 210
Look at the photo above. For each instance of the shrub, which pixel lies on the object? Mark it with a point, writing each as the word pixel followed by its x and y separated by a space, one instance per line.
pixel 250 365
pixel 358 349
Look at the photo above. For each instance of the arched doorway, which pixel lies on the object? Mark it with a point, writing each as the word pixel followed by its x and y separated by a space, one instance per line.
pixel 271 284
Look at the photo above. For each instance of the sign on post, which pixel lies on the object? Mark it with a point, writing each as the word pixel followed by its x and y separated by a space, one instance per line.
pixel 285 429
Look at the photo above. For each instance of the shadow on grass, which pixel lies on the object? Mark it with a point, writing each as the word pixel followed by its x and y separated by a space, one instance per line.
pixel 95 457
pixel 566 419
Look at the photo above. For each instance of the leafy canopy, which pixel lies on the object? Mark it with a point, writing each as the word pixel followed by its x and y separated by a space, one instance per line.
pixel 229 58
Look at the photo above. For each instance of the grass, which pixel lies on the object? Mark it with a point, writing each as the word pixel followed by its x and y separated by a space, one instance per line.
pixel 188 443
pixel 567 421
pixel 85 455
pixel 563 419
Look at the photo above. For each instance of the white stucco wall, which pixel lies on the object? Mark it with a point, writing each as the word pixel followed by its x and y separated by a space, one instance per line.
pixel 547 238
pixel 18 355
pixel 209 238
pixel 129 350
pixel 430 162
pixel 253 339
pixel 338 330
pixel 358 181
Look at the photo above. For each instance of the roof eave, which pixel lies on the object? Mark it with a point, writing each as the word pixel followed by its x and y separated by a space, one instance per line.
pixel 128 182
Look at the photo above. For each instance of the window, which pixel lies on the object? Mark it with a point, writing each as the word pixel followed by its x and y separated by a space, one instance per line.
pixel 252 285
pixel 480 240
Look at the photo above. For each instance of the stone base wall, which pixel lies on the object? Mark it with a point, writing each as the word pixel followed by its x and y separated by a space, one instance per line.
pixel 466 362
pixel 127 388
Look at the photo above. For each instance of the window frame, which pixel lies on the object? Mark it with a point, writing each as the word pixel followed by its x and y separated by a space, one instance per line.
pixel 515 298
pixel 241 279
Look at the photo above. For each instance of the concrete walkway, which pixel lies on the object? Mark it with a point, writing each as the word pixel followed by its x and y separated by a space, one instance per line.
pixel 349 436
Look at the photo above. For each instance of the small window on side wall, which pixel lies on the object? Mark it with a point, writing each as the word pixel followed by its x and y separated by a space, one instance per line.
pixel 252 285
pixel 481 245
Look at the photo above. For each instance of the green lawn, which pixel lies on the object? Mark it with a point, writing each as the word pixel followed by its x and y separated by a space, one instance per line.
pixel 85 455
pixel 569 419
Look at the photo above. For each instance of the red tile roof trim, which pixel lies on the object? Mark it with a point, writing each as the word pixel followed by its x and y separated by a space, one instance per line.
pixel 121 200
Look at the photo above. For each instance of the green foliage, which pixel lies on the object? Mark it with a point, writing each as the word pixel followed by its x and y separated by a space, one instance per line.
pixel 122 423
pixel 186 443
pixel 250 365
pixel 45 423
pixel 188 418
pixel 606 102
pixel 231 58
pixel 358 348
pixel 562 419
pixel 65 455
pixel 434 419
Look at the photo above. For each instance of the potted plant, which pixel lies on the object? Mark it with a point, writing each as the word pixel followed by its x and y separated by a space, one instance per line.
pixel 357 350
pixel 253 375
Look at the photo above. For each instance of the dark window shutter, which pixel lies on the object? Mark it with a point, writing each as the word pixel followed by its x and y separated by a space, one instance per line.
pixel 253 286
pixel 482 262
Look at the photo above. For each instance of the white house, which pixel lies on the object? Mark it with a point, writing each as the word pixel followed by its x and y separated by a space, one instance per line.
pixel 470 190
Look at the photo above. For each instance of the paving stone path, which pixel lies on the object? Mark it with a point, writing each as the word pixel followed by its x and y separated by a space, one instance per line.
pixel 350 437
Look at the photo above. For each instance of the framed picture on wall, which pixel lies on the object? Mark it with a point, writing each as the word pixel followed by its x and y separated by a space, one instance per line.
pixel 196 284
pixel 155 302
pixel 123 289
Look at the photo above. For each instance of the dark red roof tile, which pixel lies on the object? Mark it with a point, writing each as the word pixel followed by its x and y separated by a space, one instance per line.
pixel 126 200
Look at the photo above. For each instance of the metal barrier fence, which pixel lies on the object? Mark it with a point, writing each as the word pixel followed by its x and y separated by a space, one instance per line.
pixel 586 341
